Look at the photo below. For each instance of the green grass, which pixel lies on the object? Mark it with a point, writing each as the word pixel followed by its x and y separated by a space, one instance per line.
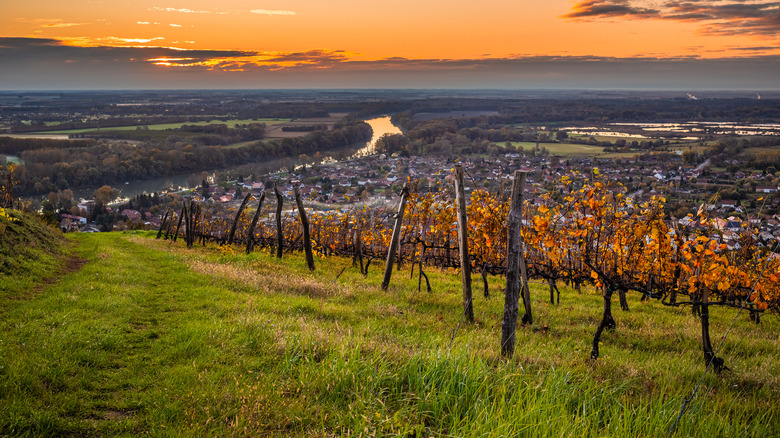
pixel 760 150
pixel 30 252
pixel 163 126
pixel 563 149
pixel 151 338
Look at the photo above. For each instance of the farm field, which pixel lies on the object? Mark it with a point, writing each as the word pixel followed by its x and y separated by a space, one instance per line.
pixel 573 150
pixel 146 337
pixel 564 149
pixel 164 126
pixel 277 130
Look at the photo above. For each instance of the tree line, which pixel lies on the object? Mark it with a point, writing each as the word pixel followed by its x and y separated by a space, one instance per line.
pixel 94 164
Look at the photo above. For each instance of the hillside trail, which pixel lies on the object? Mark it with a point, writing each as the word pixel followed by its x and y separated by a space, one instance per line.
pixel 120 306
pixel 72 263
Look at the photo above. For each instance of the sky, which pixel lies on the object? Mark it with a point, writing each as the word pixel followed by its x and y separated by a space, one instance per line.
pixel 517 44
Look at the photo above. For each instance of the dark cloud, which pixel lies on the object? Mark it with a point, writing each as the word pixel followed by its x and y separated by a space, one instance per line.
pixel 52 50
pixel 28 63
pixel 317 57
pixel 759 18
pixel 606 8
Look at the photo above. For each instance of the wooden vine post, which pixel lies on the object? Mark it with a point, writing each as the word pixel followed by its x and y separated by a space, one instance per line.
pixel 169 227
pixel 463 244
pixel 192 223
pixel 187 224
pixel 163 223
pixel 515 277
pixel 279 230
pixel 250 236
pixel 357 244
pixel 394 242
pixel 305 224
pixel 181 218
pixel 238 216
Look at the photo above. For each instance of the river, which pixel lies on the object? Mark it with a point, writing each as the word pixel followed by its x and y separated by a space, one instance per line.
pixel 379 125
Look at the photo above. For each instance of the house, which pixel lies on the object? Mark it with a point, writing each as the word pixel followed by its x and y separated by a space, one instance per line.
pixel 70 223
pixel 131 214
pixel 733 225
pixel 766 189
pixel 718 223
pixel 88 205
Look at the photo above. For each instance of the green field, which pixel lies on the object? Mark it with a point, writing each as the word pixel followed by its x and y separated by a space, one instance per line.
pixel 146 337
pixel 563 149
pixel 761 150
pixel 163 126
pixel 583 150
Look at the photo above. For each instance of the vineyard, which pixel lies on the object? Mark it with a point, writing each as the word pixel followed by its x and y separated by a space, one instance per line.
pixel 587 232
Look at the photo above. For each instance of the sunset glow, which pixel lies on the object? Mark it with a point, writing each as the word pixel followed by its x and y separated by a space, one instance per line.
pixel 403 35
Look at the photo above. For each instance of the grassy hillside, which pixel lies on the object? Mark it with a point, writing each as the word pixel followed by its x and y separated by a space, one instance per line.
pixel 148 337
pixel 30 252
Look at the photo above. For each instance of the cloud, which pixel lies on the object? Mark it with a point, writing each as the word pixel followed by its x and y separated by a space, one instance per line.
pixel 606 8
pixel 108 41
pixel 50 22
pixel 184 11
pixel 45 63
pixel 58 25
pixel 719 17
pixel 271 12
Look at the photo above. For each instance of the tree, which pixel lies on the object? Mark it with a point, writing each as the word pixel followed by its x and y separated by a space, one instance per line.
pixel 205 189
pixel 106 194
pixel 690 157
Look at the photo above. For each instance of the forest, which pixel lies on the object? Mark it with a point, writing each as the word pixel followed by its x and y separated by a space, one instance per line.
pixel 90 163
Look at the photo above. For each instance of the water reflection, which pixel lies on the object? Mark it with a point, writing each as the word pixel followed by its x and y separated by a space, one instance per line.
pixel 381 126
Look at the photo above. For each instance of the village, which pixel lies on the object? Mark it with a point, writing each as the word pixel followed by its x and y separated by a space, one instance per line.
pixel 377 180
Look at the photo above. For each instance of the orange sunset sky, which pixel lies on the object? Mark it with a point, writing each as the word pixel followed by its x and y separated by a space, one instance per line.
pixel 53 44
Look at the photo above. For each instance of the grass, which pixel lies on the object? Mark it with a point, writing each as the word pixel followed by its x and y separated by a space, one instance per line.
pixel 583 150
pixel 30 253
pixel 163 126
pixel 563 149
pixel 150 338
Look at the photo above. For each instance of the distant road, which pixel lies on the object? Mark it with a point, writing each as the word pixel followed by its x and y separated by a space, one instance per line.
pixel 42 136
pixel 702 166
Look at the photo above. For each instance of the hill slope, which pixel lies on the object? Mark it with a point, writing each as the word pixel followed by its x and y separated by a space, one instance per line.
pixel 30 252
pixel 148 337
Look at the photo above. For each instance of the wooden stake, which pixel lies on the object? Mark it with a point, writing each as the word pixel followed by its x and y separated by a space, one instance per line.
pixel 250 238
pixel 279 230
pixel 395 239
pixel 305 224
pixel 162 224
pixel 463 244
pixel 181 217
pixel 514 280
pixel 238 215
